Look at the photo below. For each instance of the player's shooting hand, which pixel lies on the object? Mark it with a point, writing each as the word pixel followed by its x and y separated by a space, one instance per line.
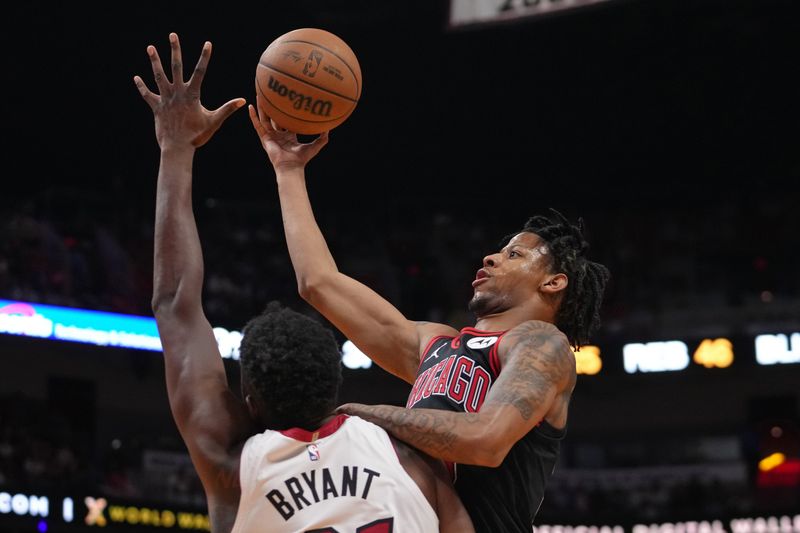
pixel 282 147
pixel 181 120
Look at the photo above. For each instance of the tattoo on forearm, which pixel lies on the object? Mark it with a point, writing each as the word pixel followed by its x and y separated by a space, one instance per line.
pixel 429 430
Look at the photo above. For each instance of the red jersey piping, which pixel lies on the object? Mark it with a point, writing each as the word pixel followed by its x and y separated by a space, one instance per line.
pixel 310 436
pixel 428 347
pixel 473 331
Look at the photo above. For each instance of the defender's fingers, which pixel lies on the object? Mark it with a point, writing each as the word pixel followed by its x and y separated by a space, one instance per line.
pixel 158 70
pixel 147 94
pixel 177 58
pixel 200 69
pixel 227 109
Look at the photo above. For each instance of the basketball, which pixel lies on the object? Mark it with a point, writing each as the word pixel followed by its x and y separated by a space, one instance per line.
pixel 308 81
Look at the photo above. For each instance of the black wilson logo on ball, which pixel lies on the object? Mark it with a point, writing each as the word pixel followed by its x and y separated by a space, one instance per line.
pixel 316 106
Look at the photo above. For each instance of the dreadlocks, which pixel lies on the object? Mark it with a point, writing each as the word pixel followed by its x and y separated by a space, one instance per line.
pixel 579 314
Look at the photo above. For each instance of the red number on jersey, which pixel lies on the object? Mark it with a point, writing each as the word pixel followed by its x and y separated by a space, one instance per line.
pixel 385 525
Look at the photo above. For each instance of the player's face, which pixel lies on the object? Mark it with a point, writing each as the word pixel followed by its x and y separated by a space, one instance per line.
pixel 510 276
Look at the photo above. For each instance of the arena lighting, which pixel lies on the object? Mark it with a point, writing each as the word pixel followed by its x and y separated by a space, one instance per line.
pixel 354 358
pixel 24 504
pixel 118 330
pixel 79 325
pixel 759 524
pixel 96 512
pixel 778 349
pixel 674 355
pixel 471 12
pixel 785 475
pixel 714 353
pixel 588 361
pixel 655 356
pixel 100 512
pixel 141 333
pixel 771 461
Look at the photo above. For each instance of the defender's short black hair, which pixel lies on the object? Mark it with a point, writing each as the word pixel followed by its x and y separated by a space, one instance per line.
pixel 293 364
pixel 579 313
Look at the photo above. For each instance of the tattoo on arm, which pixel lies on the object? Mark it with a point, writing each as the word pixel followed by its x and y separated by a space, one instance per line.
pixel 538 360
pixel 538 364
pixel 431 430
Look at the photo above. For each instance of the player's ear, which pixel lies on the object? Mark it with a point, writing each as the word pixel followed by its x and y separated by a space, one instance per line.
pixel 252 408
pixel 555 283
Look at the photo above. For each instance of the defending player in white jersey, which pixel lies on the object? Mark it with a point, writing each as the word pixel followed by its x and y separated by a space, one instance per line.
pixel 280 458
pixel 345 476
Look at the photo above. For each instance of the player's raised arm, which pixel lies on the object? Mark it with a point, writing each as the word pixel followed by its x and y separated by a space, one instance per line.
pixel 367 319
pixel 210 418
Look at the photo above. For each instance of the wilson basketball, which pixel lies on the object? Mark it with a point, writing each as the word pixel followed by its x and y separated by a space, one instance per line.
pixel 308 81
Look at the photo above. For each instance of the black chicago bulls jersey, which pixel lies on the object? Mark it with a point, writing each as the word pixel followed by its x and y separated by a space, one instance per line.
pixel 455 374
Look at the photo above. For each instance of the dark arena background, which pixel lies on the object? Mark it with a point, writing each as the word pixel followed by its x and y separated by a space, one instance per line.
pixel 670 127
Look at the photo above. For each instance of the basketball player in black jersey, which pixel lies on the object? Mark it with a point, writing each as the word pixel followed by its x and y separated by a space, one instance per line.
pixel 492 398
pixel 291 364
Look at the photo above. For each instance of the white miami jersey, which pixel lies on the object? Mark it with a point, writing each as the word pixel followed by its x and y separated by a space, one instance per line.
pixel 343 478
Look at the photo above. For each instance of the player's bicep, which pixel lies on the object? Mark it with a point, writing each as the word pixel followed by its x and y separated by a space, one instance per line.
pixel 537 366
pixel 191 358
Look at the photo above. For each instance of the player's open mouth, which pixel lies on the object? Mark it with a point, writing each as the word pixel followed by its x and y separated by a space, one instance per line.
pixel 480 277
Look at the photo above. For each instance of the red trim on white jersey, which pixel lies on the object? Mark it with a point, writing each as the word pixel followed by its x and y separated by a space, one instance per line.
pixel 304 435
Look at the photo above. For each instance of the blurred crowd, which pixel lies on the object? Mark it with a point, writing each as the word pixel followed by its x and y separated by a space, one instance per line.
pixel 672 268
pixel 43 450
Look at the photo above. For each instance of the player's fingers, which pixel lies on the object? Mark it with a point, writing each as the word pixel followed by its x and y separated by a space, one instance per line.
pixel 343 409
pixel 276 127
pixel 261 115
pixel 227 109
pixel 318 144
pixel 266 122
pixel 321 140
pixel 147 94
pixel 158 70
pixel 259 127
pixel 200 69
pixel 177 58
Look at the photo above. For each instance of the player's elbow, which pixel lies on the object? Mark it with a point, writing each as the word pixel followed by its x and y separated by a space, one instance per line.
pixel 172 304
pixel 491 457
pixel 162 302
pixel 486 449
pixel 310 287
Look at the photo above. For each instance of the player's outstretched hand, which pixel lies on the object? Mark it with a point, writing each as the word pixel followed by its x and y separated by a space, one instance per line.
pixel 181 120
